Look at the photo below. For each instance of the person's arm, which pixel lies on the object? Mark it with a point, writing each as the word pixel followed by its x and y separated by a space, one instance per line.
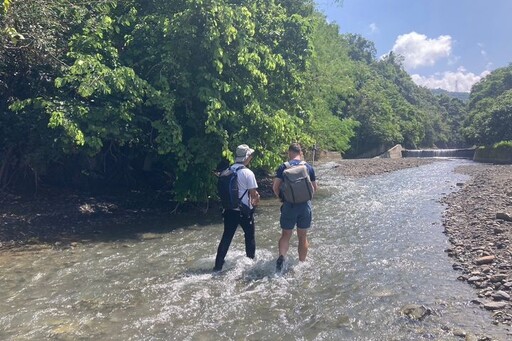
pixel 312 176
pixel 276 186
pixel 254 197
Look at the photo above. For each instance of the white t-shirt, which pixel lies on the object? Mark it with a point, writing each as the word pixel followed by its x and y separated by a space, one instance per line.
pixel 246 181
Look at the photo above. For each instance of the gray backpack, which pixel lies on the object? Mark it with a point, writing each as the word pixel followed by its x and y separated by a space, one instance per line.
pixel 297 187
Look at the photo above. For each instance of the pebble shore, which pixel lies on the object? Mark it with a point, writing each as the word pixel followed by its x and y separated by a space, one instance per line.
pixel 478 223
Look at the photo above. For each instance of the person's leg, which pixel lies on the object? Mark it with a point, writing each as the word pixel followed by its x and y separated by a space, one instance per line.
pixel 231 220
pixel 247 224
pixel 284 241
pixel 287 221
pixel 303 223
pixel 303 243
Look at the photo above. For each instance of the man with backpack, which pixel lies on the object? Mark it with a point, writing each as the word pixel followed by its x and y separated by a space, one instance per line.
pixel 237 190
pixel 295 184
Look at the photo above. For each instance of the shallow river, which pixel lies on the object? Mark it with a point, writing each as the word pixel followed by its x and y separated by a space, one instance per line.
pixel 376 245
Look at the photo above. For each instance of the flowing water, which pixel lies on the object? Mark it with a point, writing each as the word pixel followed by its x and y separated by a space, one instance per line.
pixel 376 244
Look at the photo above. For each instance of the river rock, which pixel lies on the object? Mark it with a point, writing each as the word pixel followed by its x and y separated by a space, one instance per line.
pixel 504 216
pixel 473 279
pixel 459 333
pixel 485 260
pixel 478 227
pixel 495 305
pixel 471 337
pixel 501 296
pixel 149 236
pixel 498 278
pixel 415 311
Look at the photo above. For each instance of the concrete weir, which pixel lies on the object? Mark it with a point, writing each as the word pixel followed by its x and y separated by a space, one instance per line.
pixel 398 152
pixel 499 155
pixel 467 153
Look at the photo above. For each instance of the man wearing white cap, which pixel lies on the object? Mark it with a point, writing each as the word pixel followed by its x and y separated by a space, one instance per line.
pixel 250 197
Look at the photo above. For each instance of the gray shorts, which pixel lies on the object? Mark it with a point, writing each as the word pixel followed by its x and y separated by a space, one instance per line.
pixel 296 214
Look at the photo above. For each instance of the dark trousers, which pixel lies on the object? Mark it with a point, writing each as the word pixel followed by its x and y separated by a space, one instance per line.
pixel 232 219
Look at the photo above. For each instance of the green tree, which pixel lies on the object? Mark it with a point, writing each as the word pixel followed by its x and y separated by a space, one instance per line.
pixel 180 81
pixel 359 48
pixel 328 89
pixel 32 47
pixel 488 121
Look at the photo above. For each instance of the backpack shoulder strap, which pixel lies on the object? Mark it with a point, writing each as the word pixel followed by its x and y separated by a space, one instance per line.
pixel 287 164
pixel 236 170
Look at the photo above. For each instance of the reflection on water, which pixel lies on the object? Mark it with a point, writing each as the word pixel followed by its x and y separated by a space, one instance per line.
pixel 376 245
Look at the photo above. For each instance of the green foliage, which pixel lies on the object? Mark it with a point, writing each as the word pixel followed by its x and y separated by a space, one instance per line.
pixel 503 144
pixel 6 5
pixel 328 89
pixel 31 55
pixel 359 48
pixel 490 109
pixel 123 92
pixel 170 78
pixel 462 96
pixel 456 113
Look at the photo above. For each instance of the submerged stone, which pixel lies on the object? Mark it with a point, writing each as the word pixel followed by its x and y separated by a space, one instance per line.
pixel 415 311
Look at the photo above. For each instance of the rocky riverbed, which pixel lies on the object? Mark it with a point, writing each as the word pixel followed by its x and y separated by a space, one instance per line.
pixel 478 222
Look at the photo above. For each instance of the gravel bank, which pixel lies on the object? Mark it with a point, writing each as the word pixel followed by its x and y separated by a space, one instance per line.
pixel 359 168
pixel 478 222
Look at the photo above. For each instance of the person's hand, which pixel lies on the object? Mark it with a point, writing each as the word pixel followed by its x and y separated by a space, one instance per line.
pixel 255 199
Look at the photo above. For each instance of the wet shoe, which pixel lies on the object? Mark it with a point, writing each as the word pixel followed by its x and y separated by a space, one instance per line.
pixel 217 269
pixel 279 263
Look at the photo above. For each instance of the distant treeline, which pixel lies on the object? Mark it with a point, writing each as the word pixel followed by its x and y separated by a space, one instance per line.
pixel 154 94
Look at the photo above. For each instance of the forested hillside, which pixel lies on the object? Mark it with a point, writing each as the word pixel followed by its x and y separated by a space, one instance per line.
pixel 153 94
pixel 463 96
pixel 490 109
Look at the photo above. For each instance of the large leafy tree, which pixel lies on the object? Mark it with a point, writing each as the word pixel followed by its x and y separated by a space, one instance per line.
pixel 183 81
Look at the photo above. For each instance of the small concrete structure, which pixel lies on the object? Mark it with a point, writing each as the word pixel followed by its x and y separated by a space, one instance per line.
pixel 393 153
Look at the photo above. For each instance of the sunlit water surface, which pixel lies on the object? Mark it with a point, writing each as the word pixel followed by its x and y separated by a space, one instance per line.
pixel 376 244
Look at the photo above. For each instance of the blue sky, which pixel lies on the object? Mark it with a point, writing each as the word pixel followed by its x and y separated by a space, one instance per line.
pixel 448 44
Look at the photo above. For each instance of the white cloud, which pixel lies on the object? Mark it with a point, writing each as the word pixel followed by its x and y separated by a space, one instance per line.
pixel 459 81
pixel 374 28
pixel 418 50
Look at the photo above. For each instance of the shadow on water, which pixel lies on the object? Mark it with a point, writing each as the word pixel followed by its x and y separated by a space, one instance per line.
pixel 65 219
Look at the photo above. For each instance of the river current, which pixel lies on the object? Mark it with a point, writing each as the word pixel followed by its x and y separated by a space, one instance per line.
pixel 376 245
